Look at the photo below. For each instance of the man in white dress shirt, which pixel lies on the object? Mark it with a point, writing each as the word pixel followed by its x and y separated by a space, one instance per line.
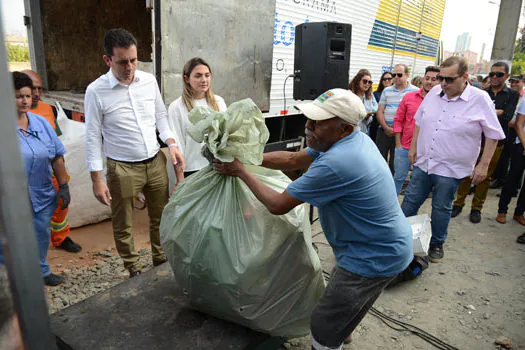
pixel 123 110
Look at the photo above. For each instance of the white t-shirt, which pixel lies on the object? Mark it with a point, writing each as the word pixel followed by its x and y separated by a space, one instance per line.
pixel 179 122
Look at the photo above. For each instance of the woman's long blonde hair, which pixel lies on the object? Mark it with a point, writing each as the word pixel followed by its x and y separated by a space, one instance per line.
pixel 187 93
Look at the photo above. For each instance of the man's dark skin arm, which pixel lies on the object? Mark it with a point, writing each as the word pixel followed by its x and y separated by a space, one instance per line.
pixel 276 203
pixel 282 160
pixel 59 169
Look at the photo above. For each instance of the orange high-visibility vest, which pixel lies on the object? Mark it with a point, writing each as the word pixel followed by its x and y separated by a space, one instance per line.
pixel 45 110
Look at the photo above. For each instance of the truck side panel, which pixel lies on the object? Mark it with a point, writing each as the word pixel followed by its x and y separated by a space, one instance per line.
pixel 73 32
pixel 233 36
pixel 374 27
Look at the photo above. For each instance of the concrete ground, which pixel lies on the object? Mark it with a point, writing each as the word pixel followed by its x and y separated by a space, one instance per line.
pixel 475 295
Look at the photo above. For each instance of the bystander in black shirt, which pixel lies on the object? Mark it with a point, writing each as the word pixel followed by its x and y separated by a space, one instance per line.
pixel 507 100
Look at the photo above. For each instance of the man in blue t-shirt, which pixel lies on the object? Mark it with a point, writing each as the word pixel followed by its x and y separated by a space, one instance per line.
pixel 352 186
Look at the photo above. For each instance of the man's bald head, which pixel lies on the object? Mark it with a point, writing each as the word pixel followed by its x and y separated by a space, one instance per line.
pixel 37 86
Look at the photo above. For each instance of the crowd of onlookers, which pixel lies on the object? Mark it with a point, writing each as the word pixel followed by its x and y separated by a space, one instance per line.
pixel 391 121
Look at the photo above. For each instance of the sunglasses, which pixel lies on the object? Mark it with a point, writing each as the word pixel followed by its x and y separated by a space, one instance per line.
pixel 387 79
pixel 366 81
pixel 449 80
pixel 496 74
pixel 399 75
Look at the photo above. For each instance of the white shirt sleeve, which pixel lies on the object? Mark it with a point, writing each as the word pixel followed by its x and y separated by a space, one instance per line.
pixel 161 117
pixel 221 104
pixel 177 113
pixel 94 116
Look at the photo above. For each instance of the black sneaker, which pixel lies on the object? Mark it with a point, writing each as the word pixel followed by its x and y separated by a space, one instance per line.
pixel 69 246
pixel 475 216
pixel 53 280
pixel 435 252
pixel 134 273
pixel 455 211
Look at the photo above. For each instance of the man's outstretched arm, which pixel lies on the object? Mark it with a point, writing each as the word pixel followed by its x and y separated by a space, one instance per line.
pixel 276 203
pixel 282 160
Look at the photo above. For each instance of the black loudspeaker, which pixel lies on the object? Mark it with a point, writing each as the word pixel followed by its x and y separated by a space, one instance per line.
pixel 322 58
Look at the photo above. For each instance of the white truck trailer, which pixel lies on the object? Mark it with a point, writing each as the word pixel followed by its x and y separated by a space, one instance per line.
pixel 249 44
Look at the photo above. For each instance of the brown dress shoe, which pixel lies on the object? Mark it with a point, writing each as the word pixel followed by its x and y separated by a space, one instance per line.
pixel 520 219
pixel 501 218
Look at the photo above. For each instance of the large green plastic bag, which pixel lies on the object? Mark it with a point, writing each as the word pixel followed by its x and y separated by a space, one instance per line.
pixel 230 256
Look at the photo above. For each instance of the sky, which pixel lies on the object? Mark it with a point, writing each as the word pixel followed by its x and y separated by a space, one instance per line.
pixel 478 17
pixel 12 17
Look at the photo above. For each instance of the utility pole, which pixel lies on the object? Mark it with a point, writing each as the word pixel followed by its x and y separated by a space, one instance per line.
pixel 395 37
pixel 522 40
pixel 506 30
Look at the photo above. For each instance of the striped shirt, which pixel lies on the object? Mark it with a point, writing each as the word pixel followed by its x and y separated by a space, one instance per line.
pixel 391 98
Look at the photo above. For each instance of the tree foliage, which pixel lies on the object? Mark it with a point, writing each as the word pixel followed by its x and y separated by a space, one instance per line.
pixel 17 53
pixel 518 62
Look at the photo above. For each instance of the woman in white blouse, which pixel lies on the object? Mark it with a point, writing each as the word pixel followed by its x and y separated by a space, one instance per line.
pixel 196 92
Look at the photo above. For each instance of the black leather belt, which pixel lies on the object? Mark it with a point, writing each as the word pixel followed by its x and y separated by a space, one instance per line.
pixel 145 161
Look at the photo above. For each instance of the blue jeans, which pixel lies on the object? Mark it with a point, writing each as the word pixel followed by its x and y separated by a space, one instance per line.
pixel 443 192
pixel 41 222
pixel 401 168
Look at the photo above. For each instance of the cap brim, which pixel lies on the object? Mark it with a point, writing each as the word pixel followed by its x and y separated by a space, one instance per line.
pixel 311 111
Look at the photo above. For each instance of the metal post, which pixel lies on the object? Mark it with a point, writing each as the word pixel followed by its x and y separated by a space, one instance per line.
pixel 35 35
pixel 395 37
pixel 418 38
pixel 506 30
pixel 16 222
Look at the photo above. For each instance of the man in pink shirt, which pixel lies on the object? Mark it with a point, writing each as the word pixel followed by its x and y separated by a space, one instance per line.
pixel 404 124
pixel 446 145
